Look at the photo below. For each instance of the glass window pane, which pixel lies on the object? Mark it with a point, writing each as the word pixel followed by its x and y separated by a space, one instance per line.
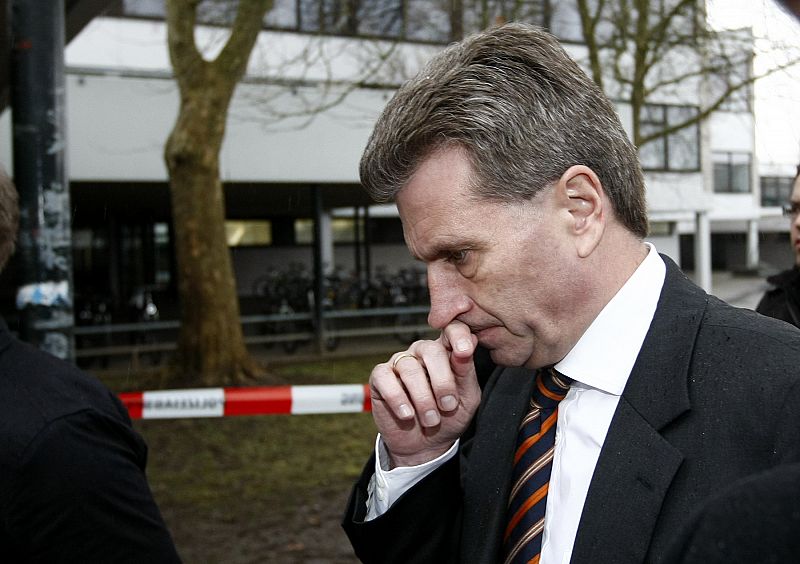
pixel 383 18
pixel 653 114
pixel 653 154
pixel 218 12
pixel 478 15
pixel 679 114
pixel 482 14
pixel 428 20
pixel 684 152
pixel 684 145
pixel 151 8
pixel 740 178
pixel 309 15
pixel 530 11
pixel 722 181
pixel 283 15
pixel 248 232
pixel 304 231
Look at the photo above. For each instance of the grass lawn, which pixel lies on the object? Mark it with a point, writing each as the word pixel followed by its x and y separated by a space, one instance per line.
pixel 263 488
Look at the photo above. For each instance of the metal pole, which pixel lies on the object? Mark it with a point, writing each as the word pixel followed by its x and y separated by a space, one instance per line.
pixel 357 244
pixel 367 244
pixel 319 274
pixel 45 238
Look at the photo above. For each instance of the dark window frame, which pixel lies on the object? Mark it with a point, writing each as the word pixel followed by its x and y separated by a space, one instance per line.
pixel 726 159
pixel 670 140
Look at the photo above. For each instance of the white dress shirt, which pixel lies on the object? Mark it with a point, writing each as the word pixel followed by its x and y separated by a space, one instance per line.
pixel 599 363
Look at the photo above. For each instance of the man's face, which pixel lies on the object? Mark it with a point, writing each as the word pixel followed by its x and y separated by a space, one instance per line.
pixel 500 268
pixel 794 226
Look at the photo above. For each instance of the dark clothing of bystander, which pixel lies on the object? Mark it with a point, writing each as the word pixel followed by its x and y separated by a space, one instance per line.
pixel 72 468
pixel 783 300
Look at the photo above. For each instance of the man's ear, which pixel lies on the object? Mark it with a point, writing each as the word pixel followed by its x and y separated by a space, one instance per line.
pixel 582 195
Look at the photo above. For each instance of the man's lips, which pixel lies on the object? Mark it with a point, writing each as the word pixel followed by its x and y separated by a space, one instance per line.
pixel 482 331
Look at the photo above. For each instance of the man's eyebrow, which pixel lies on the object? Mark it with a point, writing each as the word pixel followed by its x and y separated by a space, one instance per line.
pixel 444 249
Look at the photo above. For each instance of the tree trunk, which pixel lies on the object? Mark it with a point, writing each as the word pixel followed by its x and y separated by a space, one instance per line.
pixel 211 349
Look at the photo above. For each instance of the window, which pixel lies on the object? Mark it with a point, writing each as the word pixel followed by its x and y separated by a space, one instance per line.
pixel 415 20
pixel 776 190
pixel 482 14
pixel 426 20
pixel 731 72
pixel 342 230
pixel 661 228
pixel 732 173
pixel 248 233
pixel 678 151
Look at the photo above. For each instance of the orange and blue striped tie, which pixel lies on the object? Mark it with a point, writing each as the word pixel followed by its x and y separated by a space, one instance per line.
pixel 533 463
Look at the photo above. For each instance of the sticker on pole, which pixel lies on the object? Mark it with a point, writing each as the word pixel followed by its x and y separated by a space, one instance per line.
pixel 328 399
pixel 173 404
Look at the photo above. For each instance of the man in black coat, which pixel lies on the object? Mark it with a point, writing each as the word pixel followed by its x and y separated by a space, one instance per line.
pixel 518 187
pixel 782 301
pixel 72 468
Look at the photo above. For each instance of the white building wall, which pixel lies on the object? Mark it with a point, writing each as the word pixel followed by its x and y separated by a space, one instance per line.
pixel 117 127
pixel 123 64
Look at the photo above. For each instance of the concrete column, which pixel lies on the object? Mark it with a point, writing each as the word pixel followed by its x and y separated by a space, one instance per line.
pixel 326 241
pixel 702 250
pixel 753 257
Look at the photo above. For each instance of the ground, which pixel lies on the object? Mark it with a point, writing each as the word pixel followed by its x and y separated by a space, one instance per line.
pixel 264 488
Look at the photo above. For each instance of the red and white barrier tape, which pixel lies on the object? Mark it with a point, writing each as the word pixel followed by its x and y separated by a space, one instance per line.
pixel 225 402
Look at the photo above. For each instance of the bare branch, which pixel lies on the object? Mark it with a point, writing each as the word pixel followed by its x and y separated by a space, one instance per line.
pixel 232 60
pixel 187 62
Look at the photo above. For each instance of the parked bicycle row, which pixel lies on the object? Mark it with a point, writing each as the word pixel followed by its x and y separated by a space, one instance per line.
pixel 293 286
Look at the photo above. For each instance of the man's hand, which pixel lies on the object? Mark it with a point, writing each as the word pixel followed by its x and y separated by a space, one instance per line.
pixel 424 398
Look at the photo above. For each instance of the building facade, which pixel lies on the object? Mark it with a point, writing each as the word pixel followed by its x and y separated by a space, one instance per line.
pixel 298 122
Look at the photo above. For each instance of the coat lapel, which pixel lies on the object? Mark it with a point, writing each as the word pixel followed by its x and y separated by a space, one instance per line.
pixel 489 461
pixel 636 464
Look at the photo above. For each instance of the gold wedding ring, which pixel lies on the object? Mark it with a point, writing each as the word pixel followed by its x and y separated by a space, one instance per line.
pixel 401 357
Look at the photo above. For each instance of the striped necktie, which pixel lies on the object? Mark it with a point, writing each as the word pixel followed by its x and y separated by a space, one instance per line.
pixel 533 462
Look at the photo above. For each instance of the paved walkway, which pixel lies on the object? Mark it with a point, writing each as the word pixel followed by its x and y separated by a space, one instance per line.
pixel 741 290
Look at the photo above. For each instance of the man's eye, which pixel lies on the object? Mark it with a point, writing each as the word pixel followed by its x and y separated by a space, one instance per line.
pixel 457 257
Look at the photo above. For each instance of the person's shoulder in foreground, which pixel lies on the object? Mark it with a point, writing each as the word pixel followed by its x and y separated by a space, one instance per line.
pixel 72 480
pixel 756 519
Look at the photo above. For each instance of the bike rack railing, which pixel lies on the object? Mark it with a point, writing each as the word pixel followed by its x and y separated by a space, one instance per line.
pixel 276 320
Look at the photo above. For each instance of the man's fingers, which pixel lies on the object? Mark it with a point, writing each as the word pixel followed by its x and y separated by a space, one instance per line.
pixel 412 370
pixel 387 387
pixel 436 362
pixel 429 379
pixel 458 338
pixel 404 386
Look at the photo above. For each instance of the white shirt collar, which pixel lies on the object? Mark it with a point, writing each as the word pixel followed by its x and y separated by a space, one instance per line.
pixel 604 356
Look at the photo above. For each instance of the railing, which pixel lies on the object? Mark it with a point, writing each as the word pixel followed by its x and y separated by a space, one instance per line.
pixel 154 338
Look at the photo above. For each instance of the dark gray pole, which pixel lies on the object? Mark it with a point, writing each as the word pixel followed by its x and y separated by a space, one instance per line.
pixel 319 272
pixel 367 244
pixel 45 239
pixel 357 243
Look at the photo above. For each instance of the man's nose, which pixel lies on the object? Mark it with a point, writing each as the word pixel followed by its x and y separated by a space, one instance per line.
pixel 448 300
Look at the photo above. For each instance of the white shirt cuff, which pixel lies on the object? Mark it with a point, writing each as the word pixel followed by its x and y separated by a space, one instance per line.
pixel 386 486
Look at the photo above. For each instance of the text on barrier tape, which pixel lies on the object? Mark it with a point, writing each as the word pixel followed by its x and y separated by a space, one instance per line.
pixel 225 402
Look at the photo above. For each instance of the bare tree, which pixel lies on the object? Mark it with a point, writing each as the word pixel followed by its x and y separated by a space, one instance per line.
pixel 641 51
pixel 211 349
